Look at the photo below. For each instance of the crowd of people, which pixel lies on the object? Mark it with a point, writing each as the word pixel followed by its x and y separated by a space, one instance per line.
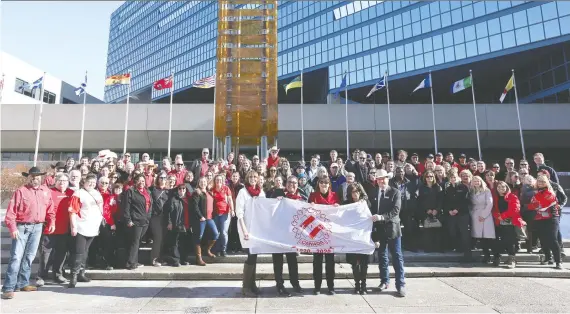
pixel 97 212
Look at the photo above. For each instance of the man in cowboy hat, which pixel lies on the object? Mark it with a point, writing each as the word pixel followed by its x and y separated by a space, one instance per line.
pixel 273 159
pixel 30 207
pixel 49 181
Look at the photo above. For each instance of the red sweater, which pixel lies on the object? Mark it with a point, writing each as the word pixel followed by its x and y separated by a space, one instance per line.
pixel 513 211
pixel 318 198
pixel 61 205
pixel 109 207
pixel 544 199
pixel 272 162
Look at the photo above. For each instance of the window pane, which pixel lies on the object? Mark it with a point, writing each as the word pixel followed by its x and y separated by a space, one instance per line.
pixel 506 23
pixel 460 51
pixel 494 26
pixel 491 6
pixel 456 16
pixel 437 42
pixel 449 54
pixel 471 49
pixel 479 8
pixel 551 28
pixel 469 33
pixel 410 64
pixel 509 39
pixel 496 42
pixel 534 15
pixel 447 39
pixel 418 47
pixel 458 36
pixel 549 11
pixel 565 26
pixel 522 36
pixel 427 44
pixel 536 32
pixel 435 22
pixel 563 8
pixel 445 19
pixel 428 59
pixel 483 45
pixel 520 19
pixel 419 61
pixel 438 57
pixel 481 30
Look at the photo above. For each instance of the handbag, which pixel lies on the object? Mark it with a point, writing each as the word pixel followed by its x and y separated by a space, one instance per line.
pixel 506 222
pixel 521 232
pixel 432 222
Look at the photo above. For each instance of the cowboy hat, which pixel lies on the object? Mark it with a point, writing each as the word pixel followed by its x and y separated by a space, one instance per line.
pixel 58 165
pixel 34 171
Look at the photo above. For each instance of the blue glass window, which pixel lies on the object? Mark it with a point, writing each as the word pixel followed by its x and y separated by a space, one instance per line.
pixel 448 39
pixel 496 42
pixel 392 68
pixel 367 74
pixel 416 28
pixel 444 6
pixel 437 42
pixel 445 19
pixel 455 4
pixel 381 39
pixel 494 26
pixel 365 44
pixel 418 47
pixel 470 33
pixel 428 59
pixel 534 15
pixel 434 8
pixel 383 55
pixel 415 15
pixel 460 51
pixel 504 5
pixel 426 25
pixel 409 50
pixel 522 36
pixel 390 37
pixel 520 19
pixel 467 12
pixel 401 66
pixel 449 54
pixel 509 39
pixel 479 8
pixel 398 34
pixel 365 32
pixel 563 8
pixel 483 45
pixel 551 28
pixel 374 59
pixel 506 23
pixel 419 61
pixel 438 57
pixel 406 18
pixel 435 22
pixel 536 32
pixel 373 29
pixel 399 52
pixel 456 16
pixel 549 11
pixel 458 36
pixel 471 48
pixel 410 64
pixel 381 27
pixel 491 6
pixel 398 20
pixel 425 12
pixel 407 31
pixel 389 23
pixel 565 25
pixel 427 44
pixel 391 54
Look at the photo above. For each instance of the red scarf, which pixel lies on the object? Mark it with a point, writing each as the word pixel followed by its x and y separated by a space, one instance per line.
pixel 253 191
pixel 293 196
pixel 144 192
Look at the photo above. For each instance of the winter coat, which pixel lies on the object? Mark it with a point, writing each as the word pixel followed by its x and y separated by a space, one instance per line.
pixel 481 206
pixel 545 205
pixel 526 195
pixel 456 197
pixel 513 211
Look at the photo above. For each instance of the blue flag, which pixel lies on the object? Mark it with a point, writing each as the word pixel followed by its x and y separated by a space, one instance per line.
pixel 426 83
pixel 36 84
pixel 342 85
pixel 381 84
pixel 81 89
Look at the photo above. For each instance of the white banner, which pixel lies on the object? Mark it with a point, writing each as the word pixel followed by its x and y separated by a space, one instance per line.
pixel 282 226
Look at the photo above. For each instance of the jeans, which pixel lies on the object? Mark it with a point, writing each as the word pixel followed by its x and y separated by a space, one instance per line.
pixel 395 247
pixel 22 255
pixel 199 227
pixel 223 225
pixel 53 249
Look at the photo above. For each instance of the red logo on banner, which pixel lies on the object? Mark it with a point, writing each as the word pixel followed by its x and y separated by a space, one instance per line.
pixel 312 228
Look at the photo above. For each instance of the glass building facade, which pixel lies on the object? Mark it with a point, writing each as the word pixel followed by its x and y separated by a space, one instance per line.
pixel 361 38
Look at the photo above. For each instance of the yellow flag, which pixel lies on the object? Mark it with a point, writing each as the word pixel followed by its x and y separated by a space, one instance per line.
pixel 507 88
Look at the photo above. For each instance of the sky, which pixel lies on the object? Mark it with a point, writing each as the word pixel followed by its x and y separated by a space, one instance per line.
pixel 63 38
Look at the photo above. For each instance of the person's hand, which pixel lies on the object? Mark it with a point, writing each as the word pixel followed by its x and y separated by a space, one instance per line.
pixel 202 219
pixel 74 231
pixel 15 235
pixel 169 227
pixel 455 212
pixel 336 205
pixel 376 244
pixel 481 219
pixel 312 203
pixel 51 229
pixel 233 213
pixel 500 218
pixel 279 197
pixel 245 235
pixel 130 224
pixel 113 227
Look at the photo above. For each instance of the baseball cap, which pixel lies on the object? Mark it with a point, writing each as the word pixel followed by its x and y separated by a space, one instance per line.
pixel 415 155
pixel 334 165
pixel 429 156
pixel 462 156
pixel 385 154
pixel 439 154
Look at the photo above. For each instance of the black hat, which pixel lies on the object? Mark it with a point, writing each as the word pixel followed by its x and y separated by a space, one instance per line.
pixel 462 156
pixel 58 165
pixel 449 154
pixel 34 171
pixel 386 155
pixel 429 156
pixel 415 155
pixel 439 154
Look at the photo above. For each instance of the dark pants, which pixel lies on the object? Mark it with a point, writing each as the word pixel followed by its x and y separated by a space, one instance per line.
pixel 158 227
pixel 487 246
pixel 459 234
pixel 395 248
pixel 79 252
pixel 506 238
pixel 291 264
pixel 177 246
pixel 53 249
pixel 547 253
pixel 234 243
pixel 107 246
pixel 135 234
pixel 410 230
pixel 359 264
pixel 251 259
pixel 548 232
pixel 318 270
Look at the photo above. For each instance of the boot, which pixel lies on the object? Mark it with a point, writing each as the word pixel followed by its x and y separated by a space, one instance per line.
pixel 246 282
pixel 82 278
pixel 511 262
pixel 356 275
pixel 356 287
pixel 73 280
pixel 253 285
pixel 496 261
pixel 199 261
pixel 363 274
pixel 210 246
pixel 363 290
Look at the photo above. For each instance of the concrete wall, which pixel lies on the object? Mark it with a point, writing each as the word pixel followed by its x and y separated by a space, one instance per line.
pixel 545 125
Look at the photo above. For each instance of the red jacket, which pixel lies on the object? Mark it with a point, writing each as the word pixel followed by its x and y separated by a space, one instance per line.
pixel 513 211
pixel 272 162
pixel 179 175
pixel 49 181
pixel 317 198
pixel 460 167
pixel 109 207
pixel 544 199
pixel 61 205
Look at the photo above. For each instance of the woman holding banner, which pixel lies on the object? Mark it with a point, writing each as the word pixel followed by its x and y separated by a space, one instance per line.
pixel 252 189
pixel 355 193
pixel 323 196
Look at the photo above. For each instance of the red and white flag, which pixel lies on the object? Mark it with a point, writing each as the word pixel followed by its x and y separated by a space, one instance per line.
pixel 163 83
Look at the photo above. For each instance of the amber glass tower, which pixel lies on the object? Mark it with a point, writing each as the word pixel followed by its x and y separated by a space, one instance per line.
pixel 246 74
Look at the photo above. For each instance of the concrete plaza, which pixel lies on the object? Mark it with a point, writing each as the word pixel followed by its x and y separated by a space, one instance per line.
pixel 441 295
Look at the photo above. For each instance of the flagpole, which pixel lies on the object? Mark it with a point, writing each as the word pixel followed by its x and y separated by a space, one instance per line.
pixel 475 114
pixel 170 118
pixel 40 119
pixel 346 116
pixel 83 119
pixel 2 88
pixel 432 112
pixel 127 113
pixel 518 114
pixel 302 122
pixel 214 121
pixel 389 114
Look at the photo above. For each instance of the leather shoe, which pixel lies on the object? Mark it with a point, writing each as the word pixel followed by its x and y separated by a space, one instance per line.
pixel 29 288
pixel 298 289
pixel 283 292
pixel 383 286
pixel 60 279
pixel 332 292
pixel 82 278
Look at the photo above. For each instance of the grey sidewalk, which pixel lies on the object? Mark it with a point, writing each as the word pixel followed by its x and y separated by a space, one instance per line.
pixel 435 295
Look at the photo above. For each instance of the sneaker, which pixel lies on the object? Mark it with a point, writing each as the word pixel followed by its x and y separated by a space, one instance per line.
pixel 176 264
pixel 383 286
pixel 184 263
pixel 7 295
pixel 156 264
pixel 109 268
pixel 40 282
pixel 139 265
pixel 558 266
pixel 60 279
pixel 402 292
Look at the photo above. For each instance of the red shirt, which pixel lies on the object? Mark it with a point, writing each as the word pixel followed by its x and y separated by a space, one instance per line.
pixel 61 205
pixel 186 213
pixel 149 179
pixel 544 199
pixel 180 175
pixel 209 206
pixel 49 181
pixel 144 192
pixel 29 205
pixel 318 198
pixel 220 200
pixel 109 207
pixel 204 167
pixel 272 162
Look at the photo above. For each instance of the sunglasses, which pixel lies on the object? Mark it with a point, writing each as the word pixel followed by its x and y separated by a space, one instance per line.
pixel 180 165
pixel 324 183
pixel 114 177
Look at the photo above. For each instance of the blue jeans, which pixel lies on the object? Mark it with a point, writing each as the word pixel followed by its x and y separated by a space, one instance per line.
pixel 395 247
pixel 223 225
pixel 199 227
pixel 22 255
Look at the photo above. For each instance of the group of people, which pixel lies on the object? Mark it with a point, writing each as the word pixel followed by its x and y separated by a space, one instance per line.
pixel 97 212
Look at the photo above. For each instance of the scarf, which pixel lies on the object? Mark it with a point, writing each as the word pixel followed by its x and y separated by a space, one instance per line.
pixel 253 191
pixel 219 195
pixel 293 196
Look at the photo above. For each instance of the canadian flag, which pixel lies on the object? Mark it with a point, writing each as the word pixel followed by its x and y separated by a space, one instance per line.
pixel 163 83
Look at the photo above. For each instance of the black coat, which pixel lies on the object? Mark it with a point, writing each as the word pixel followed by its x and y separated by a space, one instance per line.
pixel 198 206
pixel 134 207
pixel 456 197
pixel 389 207
pixel 159 199
pixel 361 173
pixel 408 193
pixel 430 198
pixel 175 212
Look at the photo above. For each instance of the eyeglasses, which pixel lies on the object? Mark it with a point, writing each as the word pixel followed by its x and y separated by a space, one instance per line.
pixel 114 177
pixel 292 182
pixel 324 183
pixel 163 178
pixel 62 180
pixel 496 167
pixel 104 183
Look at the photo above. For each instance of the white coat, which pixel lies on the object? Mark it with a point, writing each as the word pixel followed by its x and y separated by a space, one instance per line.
pixel 481 206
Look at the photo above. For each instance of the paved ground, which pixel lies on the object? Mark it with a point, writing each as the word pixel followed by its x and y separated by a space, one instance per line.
pixel 435 295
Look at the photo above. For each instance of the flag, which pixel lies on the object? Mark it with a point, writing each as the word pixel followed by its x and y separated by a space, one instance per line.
pixel 381 84
pixel 461 85
pixel 295 83
pixel 81 89
pixel 507 88
pixel 163 83
pixel 207 82
pixel 342 85
pixel 36 84
pixel 120 79
pixel 426 83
